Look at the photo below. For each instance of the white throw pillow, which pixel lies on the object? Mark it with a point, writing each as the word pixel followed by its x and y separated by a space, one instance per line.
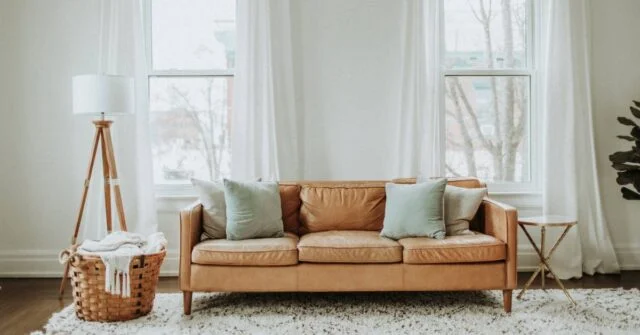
pixel 460 206
pixel 214 216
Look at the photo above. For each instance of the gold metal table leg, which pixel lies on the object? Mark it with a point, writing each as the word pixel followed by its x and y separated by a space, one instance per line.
pixel 542 238
pixel 544 265
pixel 526 286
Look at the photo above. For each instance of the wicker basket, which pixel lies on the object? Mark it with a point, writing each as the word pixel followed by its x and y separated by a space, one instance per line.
pixel 93 303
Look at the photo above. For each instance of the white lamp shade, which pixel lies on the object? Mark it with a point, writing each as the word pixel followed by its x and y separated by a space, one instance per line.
pixel 97 94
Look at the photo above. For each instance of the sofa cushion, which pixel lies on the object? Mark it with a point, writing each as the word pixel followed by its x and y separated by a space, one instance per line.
pixel 290 202
pixel 341 206
pixel 453 249
pixel 341 246
pixel 466 182
pixel 257 252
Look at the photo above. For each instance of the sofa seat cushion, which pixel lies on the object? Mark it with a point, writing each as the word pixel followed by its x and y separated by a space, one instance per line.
pixel 352 246
pixel 273 251
pixel 453 249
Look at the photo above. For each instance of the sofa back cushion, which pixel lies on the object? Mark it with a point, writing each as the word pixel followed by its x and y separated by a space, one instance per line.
pixel 341 206
pixel 465 182
pixel 290 202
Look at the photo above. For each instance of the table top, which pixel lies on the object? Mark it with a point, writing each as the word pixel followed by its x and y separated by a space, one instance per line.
pixel 548 221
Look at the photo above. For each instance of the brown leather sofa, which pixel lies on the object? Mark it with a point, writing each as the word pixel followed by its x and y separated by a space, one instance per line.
pixel 333 243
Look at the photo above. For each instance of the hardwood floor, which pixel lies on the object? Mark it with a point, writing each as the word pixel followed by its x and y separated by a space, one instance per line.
pixel 26 304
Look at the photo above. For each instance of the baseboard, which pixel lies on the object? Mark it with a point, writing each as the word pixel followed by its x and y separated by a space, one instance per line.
pixel 628 256
pixel 44 263
pixel 527 258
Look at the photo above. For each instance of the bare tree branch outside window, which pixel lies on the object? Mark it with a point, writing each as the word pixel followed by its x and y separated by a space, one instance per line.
pixel 487 115
pixel 191 88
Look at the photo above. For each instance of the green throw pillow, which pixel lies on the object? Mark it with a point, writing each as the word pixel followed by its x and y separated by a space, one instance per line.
pixel 414 210
pixel 253 210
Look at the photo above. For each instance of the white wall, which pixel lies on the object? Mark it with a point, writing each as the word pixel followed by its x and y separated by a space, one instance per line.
pixel 42 44
pixel 349 55
pixel 347 62
pixel 615 82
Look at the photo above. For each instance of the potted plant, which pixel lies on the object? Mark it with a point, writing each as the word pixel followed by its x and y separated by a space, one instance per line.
pixel 627 163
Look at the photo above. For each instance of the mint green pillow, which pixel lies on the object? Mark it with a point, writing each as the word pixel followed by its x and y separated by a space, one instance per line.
pixel 414 210
pixel 253 210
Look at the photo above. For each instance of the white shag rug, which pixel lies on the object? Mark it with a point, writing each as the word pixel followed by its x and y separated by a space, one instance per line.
pixel 603 311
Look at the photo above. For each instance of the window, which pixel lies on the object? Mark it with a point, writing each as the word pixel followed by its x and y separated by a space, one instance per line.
pixel 191 68
pixel 488 85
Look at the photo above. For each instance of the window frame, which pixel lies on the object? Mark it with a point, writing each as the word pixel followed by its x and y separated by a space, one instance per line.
pixel 164 190
pixel 186 190
pixel 534 116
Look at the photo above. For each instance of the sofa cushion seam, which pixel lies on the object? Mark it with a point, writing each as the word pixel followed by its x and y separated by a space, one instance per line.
pixel 347 248
pixel 246 251
pixel 455 247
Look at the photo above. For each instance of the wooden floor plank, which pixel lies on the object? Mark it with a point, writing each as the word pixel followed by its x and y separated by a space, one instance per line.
pixel 26 304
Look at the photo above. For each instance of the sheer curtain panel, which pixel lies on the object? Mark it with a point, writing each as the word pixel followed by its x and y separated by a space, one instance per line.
pixel 121 51
pixel 264 138
pixel 420 125
pixel 570 179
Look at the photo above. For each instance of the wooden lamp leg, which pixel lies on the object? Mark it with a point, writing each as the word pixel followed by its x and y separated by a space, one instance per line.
pixel 110 173
pixel 96 139
pixel 107 183
pixel 114 176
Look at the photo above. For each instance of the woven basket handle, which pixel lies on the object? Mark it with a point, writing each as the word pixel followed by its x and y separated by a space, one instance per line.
pixel 69 256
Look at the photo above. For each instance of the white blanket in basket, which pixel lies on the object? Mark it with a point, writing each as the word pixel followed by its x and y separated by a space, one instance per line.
pixel 116 251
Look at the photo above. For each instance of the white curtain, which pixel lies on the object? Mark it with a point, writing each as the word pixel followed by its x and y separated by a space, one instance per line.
pixel 420 125
pixel 264 129
pixel 121 51
pixel 570 178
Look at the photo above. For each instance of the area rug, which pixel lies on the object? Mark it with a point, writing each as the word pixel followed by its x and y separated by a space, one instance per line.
pixel 604 311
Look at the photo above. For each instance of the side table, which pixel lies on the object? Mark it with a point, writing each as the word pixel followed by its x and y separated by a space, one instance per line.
pixel 543 222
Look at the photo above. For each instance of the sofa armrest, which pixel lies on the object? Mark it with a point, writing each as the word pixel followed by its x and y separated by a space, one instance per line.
pixel 190 231
pixel 501 222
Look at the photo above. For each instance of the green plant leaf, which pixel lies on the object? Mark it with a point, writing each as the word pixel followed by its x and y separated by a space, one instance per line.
pixel 629 194
pixel 625 167
pixel 628 138
pixel 627 163
pixel 626 121
pixel 622 157
pixel 636 184
pixel 627 177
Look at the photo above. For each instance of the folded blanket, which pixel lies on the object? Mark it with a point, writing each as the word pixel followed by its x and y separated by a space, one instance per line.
pixel 117 264
pixel 114 241
pixel 116 251
pixel 155 243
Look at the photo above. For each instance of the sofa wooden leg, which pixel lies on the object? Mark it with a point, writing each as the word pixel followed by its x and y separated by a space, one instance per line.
pixel 506 297
pixel 186 301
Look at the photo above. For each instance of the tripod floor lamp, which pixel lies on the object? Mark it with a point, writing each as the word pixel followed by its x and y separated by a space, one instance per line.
pixel 101 95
